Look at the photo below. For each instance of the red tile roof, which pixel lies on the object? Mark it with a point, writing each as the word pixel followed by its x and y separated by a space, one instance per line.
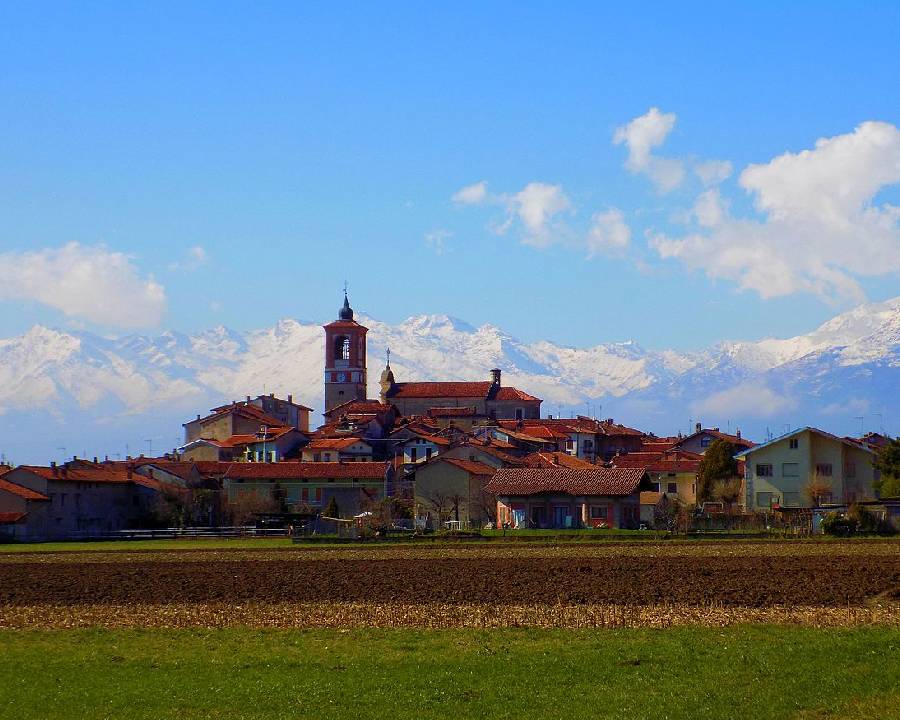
pixel 81 472
pixel 479 389
pixel 596 481
pixel 473 467
pixel 360 407
pixel 9 518
pixel 294 470
pixel 333 443
pixel 21 491
pixel 678 461
pixel 719 435
pixel 555 459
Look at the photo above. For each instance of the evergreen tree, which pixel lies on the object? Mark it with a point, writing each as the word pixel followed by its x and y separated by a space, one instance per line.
pixel 718 464
pixel 331 509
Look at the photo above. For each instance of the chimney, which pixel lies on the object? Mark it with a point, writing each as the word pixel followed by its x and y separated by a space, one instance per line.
pixel 549 417
pixel 198 416
pixel 290 399
pixel 248 399
pixel 95 460
pixel 495 377
pixel 53 468
pixel 271 395
pixel 129 470
pixel 609 421
pixel 737 433
pixel 698 427
pixel 555 459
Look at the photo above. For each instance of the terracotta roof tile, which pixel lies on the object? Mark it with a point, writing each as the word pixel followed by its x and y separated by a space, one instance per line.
pixel 295 470
pixel 9 518
pixel 333 443
pixel 596 481
pixel 473 467
pixel 21 491
pixel 555 459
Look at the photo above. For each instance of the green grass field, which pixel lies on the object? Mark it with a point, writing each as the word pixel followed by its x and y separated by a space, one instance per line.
pixel 744 672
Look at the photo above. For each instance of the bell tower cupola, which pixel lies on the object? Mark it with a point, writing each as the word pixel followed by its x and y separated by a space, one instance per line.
pixel 345 359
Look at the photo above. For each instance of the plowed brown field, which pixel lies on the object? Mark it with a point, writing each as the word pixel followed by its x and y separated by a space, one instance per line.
pixel 747 581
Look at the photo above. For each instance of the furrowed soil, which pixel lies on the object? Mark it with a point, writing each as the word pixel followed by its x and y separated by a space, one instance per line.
pixel 830 579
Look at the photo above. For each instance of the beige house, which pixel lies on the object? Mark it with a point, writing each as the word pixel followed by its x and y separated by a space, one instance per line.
pixel 348 449
pixel 781 472
pixel 451 489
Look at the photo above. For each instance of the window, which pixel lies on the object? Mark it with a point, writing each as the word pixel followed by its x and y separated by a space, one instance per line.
pixel 791 499
pixel 672 488
pixel 412 454
pixel 317 457
pixel 327 457
pixel 763 470
pixel 823 469
pixel 764 499
pixel 705 441
pixel 790 470
pixel 520 414
pixel 428 453
pixel 599 512
pixel 794 443
pixel 654 487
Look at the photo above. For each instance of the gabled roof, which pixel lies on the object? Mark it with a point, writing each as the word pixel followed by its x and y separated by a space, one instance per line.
pixel 678 461
pixel 243 409
pixel 555 459
pixel 360 407
pixel 295 470
pixel 844 441
pixel 334 443
pixel 596 481
pixel 21 491
pixel 718 435
pixel 10 518
pixel 473 467
pixel 485 390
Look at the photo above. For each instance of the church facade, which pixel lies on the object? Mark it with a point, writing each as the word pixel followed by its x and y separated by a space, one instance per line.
pixel 345 381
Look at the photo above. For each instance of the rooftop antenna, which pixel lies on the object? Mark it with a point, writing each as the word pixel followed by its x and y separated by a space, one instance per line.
pixel 880 417
pixel 862 419
pixel 149 442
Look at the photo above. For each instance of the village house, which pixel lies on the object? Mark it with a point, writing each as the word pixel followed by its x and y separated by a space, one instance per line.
pixel 583 437
pixel 268 444
pixel 700 440
pixel 568 498
pixel 417 443
pixel 342 449
pixel 788 470
pixel 453 489
pixel 670 472
pixel 353 485
pixel 74 499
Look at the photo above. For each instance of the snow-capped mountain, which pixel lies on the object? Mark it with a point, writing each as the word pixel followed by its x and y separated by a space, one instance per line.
pixel 76 392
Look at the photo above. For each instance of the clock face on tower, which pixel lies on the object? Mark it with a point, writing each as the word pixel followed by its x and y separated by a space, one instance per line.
pixel 342 377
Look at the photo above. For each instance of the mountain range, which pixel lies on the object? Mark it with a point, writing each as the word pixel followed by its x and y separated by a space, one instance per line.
pixel 77 393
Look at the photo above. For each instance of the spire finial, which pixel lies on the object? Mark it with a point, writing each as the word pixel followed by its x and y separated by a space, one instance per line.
pixel 388 351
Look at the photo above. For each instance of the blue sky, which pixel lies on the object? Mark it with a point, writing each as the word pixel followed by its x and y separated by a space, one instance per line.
pixel 235 163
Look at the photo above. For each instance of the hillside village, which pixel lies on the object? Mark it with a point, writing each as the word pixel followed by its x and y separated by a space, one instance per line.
pixel 438 456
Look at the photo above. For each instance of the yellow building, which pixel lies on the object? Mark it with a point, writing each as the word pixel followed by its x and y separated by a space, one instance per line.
pixel 784 471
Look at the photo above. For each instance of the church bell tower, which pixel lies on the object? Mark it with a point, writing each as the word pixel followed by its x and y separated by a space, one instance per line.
pixel 345 359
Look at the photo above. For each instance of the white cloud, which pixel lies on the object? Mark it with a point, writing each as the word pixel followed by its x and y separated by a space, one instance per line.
pixel 473 194
pixel 643 134
pixel 85 282
pixel 820 229
pixel 437 240
pixel 710 209
pixel 712 172
pixel 194 258
pixel 749 400
pixel 536 205
pixel 608 231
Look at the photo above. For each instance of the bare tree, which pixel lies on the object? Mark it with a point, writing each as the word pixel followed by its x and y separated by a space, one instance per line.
pixel 244 506
pixel 817 490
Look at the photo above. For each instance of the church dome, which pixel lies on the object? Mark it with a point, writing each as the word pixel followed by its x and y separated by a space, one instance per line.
pixel 346 312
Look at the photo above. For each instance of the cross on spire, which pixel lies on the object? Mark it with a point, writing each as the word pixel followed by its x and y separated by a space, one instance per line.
pixel 388 351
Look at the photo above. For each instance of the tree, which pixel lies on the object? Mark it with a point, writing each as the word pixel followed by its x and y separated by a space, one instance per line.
pixel 728 491
pixel 817 490
pixel 331 509
pixel 718 464
pixel 247 504
pixel 887 463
